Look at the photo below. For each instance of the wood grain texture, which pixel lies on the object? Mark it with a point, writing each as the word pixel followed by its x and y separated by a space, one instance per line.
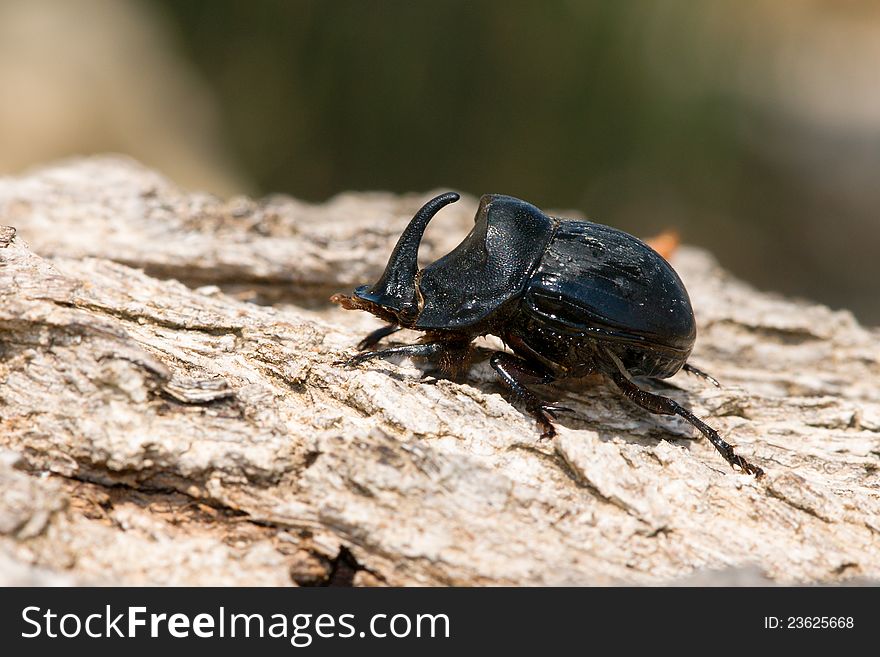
pixel 159 426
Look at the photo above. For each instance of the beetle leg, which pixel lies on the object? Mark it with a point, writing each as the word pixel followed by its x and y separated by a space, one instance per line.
pixel 376 336
pixel 665 406
pixel 690 369
pixel 514 373
pixel 453 356
pixel 423 349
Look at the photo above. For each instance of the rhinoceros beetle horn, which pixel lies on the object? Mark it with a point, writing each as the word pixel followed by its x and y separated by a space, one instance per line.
pixel 396 289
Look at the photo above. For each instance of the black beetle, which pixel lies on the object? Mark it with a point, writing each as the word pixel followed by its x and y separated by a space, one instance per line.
pixel 568 297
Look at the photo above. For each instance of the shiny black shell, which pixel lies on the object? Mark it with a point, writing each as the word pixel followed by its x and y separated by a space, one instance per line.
pixel 599 286
pixel 564 291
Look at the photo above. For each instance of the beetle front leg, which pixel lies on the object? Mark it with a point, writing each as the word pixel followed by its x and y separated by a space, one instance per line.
pixel 514 373
pixel 377 336
pixel 665 406
pixel 423 350
pixel 452 356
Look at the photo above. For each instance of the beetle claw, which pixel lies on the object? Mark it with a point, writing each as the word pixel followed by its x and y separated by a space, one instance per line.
pixel 349 362
pixel 737 461
pixel 553 409
pixel 545 414
pixel 357 359
pixel 548 431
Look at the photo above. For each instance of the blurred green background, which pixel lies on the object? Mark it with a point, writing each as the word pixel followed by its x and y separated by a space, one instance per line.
pixel 751 127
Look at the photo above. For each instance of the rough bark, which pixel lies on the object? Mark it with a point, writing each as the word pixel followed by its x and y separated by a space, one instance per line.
pixel 161 427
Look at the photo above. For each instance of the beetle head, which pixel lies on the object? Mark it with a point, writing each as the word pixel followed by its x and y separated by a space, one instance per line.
pixel 395 293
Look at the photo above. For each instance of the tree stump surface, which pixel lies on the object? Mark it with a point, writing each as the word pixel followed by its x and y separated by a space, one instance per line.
pixel 171 413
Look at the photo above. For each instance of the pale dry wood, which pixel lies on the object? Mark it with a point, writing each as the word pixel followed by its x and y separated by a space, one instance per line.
pixel 166 431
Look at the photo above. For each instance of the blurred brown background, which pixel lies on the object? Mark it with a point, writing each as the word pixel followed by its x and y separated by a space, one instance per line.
pixel 752 127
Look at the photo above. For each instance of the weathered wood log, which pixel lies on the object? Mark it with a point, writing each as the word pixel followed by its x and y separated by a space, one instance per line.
pixel 161 427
